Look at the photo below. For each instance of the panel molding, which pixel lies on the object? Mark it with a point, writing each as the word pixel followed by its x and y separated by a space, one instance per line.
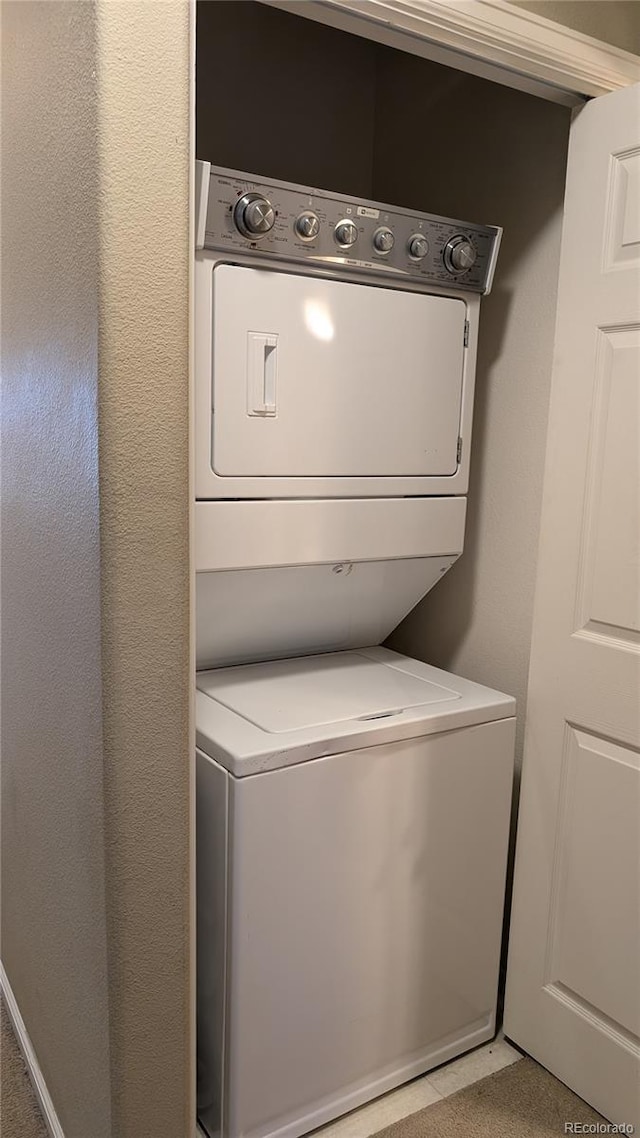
pixel 572 734
pixel 587 626
pixel 594 1016
pixel 485 37
pixel 556 864
pixel 609 635
pixel 577 739
pixel 618 197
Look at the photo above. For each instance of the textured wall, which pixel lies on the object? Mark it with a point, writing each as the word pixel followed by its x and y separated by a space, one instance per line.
pixel 612 21
pixel 53 891
pixel 95 588
pixel 496 156
pixel 143 113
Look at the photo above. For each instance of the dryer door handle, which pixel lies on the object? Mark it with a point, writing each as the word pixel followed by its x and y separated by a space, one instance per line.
pixel 262 359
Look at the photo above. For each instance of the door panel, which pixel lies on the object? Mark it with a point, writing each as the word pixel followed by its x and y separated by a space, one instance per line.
pixel 325 378
pixel 609 601
pixel 598 809
pixel 573 986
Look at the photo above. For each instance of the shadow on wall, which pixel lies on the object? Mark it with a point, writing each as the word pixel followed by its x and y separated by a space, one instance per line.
pixel 306 78
pixel 494 155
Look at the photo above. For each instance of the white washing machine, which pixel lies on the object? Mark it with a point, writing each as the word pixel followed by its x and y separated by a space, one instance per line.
pixel 352 828
pixel 352 805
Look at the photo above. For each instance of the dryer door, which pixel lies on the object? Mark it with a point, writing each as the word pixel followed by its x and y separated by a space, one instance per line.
pixel 319 378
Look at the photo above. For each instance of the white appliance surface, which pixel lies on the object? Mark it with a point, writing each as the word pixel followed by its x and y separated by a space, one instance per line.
pixel 309 387
pixel 261 614
pixel 264 534
pixel 260 717
pixel 349 905
pixel 326 378
pixel 287 578
pixel 319 690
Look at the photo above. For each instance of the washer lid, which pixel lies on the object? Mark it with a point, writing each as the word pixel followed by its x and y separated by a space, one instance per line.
pixel 314 691
pixel 259 717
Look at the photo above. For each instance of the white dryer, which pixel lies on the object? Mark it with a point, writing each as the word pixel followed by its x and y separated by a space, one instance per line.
pixel 331 365
pixel 352 828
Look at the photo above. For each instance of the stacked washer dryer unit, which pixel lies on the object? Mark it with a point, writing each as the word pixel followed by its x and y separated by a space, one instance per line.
pixel 352 804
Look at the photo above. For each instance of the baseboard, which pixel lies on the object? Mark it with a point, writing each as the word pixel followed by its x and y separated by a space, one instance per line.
pixel 41 1091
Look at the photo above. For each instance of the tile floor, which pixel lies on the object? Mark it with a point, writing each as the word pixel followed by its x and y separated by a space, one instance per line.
pixel 438 1084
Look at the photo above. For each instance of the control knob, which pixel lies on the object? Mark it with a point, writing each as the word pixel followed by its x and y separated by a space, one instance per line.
pixel 383 240
pixel 346 233
pixel 418 246
pixel 307 225
pixel 254 215
pixel 459 254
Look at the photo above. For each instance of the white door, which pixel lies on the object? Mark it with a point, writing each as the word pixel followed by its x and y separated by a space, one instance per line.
pixel 330 379
pixel 573 988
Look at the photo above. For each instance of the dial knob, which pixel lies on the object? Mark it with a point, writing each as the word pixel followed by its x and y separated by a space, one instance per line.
pixel 346 233
pixel 418 246
pixel 383 240
pixel 307 225
pixel 254 215
pixel 459 254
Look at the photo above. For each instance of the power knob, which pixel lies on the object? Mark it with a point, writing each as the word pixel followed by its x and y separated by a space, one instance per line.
pixel 345 234
pixel 383 240
pixel 418 246
pixel 459 255
pixel 254 215
pixel 307 225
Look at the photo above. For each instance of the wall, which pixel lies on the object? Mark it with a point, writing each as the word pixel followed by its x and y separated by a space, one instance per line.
pixel 301 110
pixel 613 21
pixel 143 161
pixel 497 156
pixel 54 937
pixel 96 660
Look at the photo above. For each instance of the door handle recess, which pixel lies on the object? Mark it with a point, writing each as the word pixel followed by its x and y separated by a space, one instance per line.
pixel 262 360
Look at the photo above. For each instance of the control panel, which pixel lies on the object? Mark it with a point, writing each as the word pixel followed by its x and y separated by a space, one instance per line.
pixel 241 212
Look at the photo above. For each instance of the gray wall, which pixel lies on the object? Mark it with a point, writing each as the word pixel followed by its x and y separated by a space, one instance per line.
pixel 613 21
pixel 96 666
pixel 284 96
pixel 148 682
pixel 498 156
pixel 54 939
